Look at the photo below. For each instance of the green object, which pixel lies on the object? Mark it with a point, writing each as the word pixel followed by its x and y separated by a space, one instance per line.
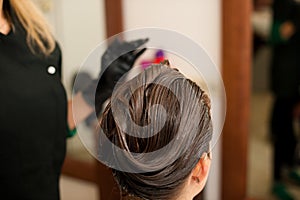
pixel 280 191
pixel 275 37
pixel 72 132
pixel 295 177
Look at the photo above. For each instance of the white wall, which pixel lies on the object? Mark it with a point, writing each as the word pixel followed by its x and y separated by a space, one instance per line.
pixel 79 28
pixel 197 19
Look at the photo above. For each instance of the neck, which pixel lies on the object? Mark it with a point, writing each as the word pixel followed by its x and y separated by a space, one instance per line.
pixel 4 25
pixel 185 196
pixel 1 10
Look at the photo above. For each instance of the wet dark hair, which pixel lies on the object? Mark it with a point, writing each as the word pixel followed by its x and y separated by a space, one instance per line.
pixel 185 132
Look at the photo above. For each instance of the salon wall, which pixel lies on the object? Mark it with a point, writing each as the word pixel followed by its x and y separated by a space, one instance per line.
pixel 78 26
pixel 198 19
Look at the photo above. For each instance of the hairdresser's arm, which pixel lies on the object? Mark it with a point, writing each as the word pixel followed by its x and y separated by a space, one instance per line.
pixel 297 111
pixel 82 111
pixel 116 61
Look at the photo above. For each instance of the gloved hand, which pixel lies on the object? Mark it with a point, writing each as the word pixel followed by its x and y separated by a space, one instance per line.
pixel 117 60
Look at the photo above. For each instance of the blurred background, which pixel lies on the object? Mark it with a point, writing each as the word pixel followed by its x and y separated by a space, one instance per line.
pixel 261 151
pixel 234 34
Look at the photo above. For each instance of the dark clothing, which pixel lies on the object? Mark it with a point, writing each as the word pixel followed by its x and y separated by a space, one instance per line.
pixel 33 114
pixel 285 67
pixel 283 133
pixel 285 74
pixel 285 82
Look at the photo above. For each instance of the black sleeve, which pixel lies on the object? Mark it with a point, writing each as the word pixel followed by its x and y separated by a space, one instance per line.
pixel 59 62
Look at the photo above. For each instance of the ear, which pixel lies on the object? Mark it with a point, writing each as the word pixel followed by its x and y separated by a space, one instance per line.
pixel 201 170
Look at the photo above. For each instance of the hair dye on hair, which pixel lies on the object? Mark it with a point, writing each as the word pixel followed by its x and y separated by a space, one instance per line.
pixel 162 120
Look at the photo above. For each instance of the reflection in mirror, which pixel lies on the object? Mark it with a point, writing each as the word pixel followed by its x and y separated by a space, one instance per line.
pixel 265 154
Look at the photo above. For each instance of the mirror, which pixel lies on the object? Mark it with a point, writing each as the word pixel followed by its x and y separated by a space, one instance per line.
pixel 264 158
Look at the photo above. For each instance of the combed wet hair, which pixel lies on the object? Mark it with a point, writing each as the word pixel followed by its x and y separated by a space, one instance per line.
pixel 158 97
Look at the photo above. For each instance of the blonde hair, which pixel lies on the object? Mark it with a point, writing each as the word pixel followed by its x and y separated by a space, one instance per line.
pixel 39 36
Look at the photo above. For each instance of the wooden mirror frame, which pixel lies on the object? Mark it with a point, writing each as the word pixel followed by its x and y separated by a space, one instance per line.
pixel 236 68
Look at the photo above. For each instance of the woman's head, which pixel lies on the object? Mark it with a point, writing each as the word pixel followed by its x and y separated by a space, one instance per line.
pixel 39 37
pixel 162 119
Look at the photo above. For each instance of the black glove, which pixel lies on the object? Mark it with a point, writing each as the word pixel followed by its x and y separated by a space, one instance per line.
pixel 117 60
